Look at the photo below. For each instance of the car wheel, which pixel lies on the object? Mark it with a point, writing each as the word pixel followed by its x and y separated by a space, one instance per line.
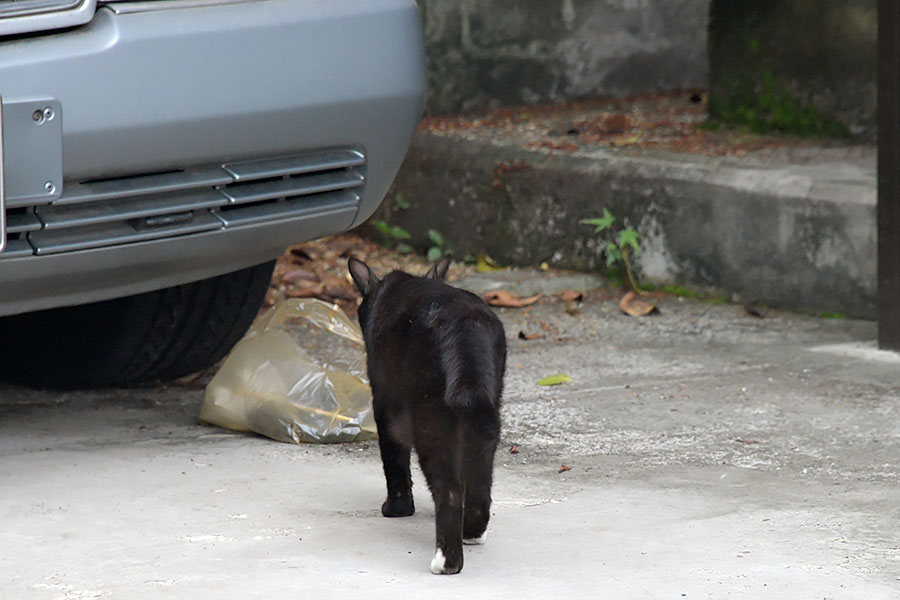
pixel 158 335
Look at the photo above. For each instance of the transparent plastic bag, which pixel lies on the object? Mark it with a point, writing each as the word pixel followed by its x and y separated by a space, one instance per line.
pixel 299 375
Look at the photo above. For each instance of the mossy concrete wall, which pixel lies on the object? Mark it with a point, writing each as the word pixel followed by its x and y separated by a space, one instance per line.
pixel 483 54
pixel 800 66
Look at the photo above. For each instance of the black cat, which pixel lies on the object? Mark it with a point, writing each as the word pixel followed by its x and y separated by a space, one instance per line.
pixel 436 357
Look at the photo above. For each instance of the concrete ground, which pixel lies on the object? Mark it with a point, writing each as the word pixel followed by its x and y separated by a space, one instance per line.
pixel 711 455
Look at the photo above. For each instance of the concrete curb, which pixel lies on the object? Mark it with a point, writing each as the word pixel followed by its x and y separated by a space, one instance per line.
pixel 794 231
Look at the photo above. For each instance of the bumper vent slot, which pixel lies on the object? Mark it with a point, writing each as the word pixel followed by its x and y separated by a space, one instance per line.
pixel 139 207
pixel 22 8
pixel 111 234
pixel 291 207
pixel 143 185
pixel 17 247
pixel 292 187
pixel 297 165
pixel 21 219
pixel 209 198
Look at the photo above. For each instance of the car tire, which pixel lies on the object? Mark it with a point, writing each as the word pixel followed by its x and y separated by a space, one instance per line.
pixel 159 335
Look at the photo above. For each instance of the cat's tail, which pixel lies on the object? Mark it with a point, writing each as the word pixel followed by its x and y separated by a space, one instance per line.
pixel 479 412
pixel 473 366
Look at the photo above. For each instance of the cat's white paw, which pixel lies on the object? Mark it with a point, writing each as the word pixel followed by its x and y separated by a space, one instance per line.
pixel 475 541
pixel 438 562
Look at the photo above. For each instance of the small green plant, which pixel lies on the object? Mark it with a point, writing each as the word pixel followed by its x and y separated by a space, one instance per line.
pixel 828 314
pixel 393 236
pixel 624 242
pixel 675 290
pixel 400 203
pixel 438 246
pixel 709 126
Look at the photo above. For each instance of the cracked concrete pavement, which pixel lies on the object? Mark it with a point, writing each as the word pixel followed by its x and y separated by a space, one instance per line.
pixel 712 455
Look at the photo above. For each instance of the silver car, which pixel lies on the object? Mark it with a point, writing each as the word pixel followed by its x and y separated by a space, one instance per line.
pixel 158 156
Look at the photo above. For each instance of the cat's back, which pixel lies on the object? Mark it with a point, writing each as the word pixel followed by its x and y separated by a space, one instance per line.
pixel 421 307
pixel 433 300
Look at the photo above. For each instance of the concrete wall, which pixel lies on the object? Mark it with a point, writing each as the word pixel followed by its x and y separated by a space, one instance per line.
pixel 796 235
pixel 488 53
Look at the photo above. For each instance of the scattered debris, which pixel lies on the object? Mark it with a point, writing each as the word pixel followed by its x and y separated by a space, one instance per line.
pixel 564 468
pixel 674 121
pixel 318 269
pixel 502 168
pixel 572 310
pixel 514 449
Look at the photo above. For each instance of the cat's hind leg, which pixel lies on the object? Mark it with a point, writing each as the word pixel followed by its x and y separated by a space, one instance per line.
pixel 440 464
pixel 395 459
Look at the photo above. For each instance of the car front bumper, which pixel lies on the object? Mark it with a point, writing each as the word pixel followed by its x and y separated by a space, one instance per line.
pixel 145 98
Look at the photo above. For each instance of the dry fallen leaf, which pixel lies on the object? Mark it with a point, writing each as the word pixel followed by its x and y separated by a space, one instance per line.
pixel 311 291
pixel 571 296
pixel 273 295
pixel 557 379
pixel 632 305
pixel 486 264
pixel 529 336
pixel 508 299
pixel 565 146
pixel 338 287
pixel 627 140
pixel 302 254
pixel 564 468
pixel 753 310
pixel 617 123
pixel 514 449
pixel 298 274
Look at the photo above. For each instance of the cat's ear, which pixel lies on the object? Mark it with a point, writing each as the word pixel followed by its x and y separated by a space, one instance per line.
pixel 439 269
pixel 362 275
